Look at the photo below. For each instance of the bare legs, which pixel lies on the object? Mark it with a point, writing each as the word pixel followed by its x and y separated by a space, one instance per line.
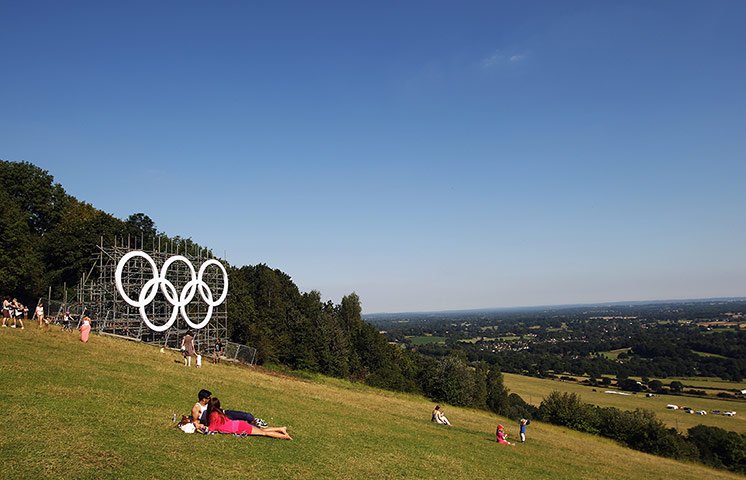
pixel 273 432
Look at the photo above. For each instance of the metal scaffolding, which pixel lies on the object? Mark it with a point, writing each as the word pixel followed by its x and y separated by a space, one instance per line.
pixel 98 298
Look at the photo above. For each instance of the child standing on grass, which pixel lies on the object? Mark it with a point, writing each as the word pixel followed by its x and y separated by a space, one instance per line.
pixel 524 422
pixel 199 360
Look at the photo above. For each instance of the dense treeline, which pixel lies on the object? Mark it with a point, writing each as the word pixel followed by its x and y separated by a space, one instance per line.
pixel 642 431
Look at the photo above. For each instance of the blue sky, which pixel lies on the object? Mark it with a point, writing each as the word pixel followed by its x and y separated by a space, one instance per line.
pixel 426 155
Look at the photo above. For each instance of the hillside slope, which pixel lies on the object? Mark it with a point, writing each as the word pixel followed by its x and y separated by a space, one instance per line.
pixel 103 410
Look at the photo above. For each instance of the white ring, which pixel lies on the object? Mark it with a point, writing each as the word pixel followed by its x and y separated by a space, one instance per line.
pixel 120 267
pixel 178 300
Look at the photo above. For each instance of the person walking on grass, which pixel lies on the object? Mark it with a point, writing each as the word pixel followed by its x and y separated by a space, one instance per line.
pixel 187 346
pixel 85 329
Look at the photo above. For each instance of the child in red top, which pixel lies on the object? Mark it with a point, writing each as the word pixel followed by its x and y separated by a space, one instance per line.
pixel 501 437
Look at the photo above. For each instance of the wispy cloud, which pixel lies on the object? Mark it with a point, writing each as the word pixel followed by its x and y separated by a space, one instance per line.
pixel 499 58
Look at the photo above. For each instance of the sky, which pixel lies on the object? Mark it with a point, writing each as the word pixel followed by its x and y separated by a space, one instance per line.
pixel 425 155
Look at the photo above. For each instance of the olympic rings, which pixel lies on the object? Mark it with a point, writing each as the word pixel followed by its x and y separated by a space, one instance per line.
pixel 178 300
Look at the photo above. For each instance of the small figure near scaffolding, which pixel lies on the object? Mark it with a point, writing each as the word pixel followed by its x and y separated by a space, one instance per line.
pixel 67 322
pixel 217 351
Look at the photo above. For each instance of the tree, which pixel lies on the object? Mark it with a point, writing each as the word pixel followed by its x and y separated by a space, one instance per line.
pixel 497 394
pixel 568 410
pixel 719 448
pixel 480 386
pixel 41 201
pixel 20 266
pixel 676 386
pixel 655 385
pixel 630 385
pixel 68 248
pixel 142 227
pixel 453 382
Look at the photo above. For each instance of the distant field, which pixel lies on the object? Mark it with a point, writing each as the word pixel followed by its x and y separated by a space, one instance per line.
pixel 704 354
pixel 422 340
pixel 557 329
pixel 719 329
pixel 613 354
pixel 533 390
pixel 475 340
pixel 103 411
pixel 706 382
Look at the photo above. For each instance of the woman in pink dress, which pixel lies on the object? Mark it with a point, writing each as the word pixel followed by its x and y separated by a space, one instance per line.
pixel 217 421
pixel 85 329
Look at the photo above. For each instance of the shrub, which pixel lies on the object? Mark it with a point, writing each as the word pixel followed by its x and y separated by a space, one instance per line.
pixel 719 448
pixel 566 409
pixel 695 392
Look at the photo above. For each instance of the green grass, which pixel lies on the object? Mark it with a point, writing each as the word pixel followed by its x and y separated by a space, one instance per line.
pixel 719 330
pixel 103 410
pixel 422 340
pixel 705 354
pixel 706 382
pixel 532 390
pixel 613 354
pixel 477 339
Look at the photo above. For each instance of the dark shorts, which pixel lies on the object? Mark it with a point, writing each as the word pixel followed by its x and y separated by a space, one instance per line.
pixel 6 313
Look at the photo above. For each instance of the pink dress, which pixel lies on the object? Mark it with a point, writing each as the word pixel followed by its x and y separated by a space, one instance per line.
pixel 225 425
pixel 85 329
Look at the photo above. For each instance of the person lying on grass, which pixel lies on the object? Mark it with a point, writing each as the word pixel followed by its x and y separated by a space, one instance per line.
pixel 217 421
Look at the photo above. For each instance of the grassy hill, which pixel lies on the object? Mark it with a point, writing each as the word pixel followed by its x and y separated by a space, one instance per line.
pixel 103 410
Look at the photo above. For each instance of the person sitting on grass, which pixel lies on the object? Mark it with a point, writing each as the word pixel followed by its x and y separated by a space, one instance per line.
pixel 439 418
pixel 217 421
pixel 502 437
